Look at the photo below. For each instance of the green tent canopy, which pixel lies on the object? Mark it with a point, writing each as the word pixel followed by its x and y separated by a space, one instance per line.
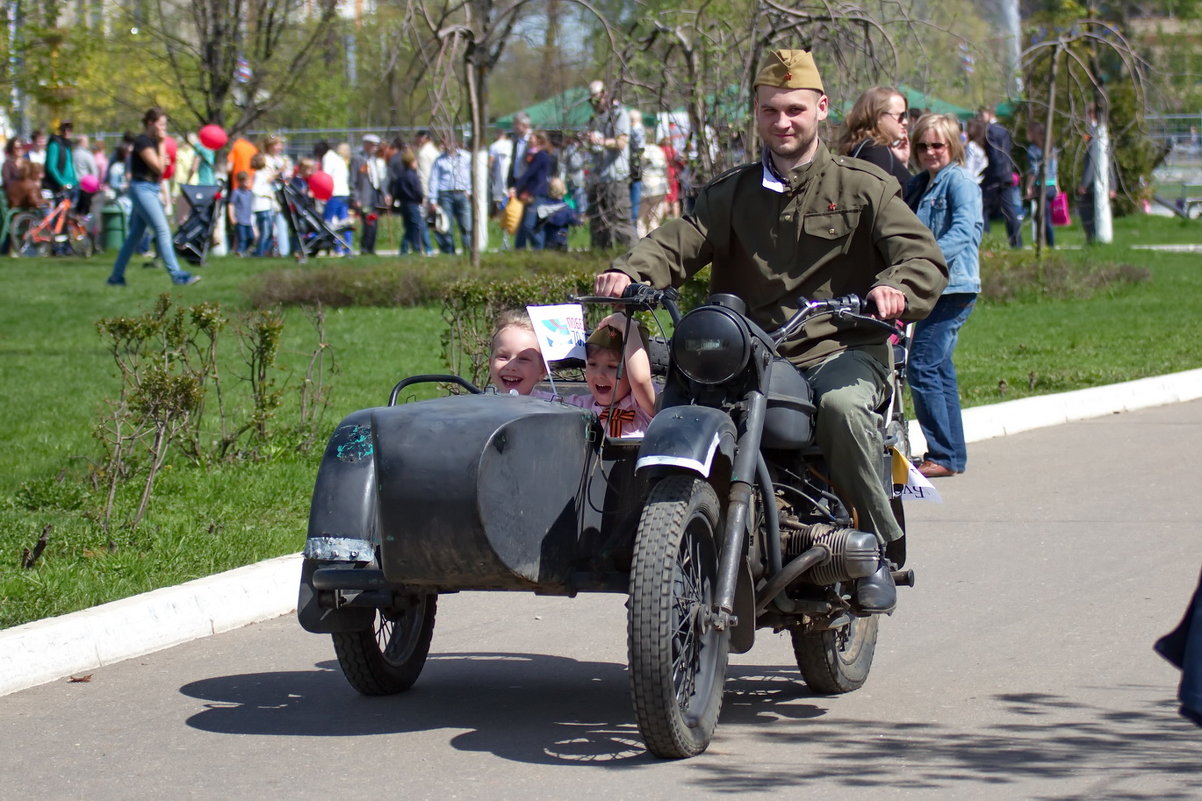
pixel 569 110
pixel 918 99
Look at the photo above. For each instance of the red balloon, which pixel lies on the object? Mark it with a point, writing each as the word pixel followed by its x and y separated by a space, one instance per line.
pixel 212 137
pixel 321 185
pixel 172 147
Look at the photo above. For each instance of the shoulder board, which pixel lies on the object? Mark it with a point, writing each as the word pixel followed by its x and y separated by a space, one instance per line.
pixel 732 172
pixel 859 165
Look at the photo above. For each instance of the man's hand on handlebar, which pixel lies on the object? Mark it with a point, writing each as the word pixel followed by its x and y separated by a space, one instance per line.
pixel 890 303
pixel 611 284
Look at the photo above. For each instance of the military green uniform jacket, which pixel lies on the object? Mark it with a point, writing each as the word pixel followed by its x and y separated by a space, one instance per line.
pixel 839 227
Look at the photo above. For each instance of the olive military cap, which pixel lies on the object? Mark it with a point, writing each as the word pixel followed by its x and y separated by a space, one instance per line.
pixel 790 69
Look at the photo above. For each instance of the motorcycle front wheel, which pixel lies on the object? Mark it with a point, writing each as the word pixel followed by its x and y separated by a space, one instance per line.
pixel 388 658
pixel 677 658
pixel 837 660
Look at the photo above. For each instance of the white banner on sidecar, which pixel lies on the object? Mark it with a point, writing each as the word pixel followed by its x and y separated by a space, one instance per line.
pixel 914 485
pixel 560 331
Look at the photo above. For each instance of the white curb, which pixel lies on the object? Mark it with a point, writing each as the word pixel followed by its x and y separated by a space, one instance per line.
pixel 45 650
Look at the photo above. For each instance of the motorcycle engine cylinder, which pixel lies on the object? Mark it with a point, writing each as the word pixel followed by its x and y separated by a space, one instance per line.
pixel 854 554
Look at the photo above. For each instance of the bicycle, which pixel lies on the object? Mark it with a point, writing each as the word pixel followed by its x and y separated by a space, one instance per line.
pixel 60 231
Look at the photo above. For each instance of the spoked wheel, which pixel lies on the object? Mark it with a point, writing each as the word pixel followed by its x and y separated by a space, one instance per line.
pixel 838 660
pixel 80 238
pixel 677 658
pixel 388 658
pixel 23 242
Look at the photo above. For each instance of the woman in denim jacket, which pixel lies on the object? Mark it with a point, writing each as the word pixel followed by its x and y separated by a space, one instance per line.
pixel 948 201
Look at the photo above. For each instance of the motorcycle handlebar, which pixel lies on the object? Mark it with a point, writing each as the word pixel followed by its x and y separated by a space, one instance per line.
pixel 639 296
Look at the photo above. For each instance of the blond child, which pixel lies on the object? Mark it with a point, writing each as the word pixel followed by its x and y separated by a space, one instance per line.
pixel 516 363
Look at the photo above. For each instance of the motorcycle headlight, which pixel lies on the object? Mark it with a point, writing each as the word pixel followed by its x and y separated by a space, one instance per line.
pixel 711 345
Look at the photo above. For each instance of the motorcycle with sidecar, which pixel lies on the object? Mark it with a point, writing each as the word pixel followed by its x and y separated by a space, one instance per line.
pixel 719 521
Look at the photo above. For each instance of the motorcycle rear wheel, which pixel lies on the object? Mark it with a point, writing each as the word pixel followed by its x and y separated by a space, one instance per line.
pixel 387 658
pixel 837 661
pixel 677 658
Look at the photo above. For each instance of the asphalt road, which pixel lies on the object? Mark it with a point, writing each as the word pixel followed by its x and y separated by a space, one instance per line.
pixel 1020 667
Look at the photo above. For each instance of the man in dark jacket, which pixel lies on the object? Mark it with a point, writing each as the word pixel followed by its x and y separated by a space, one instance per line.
pixel 997 183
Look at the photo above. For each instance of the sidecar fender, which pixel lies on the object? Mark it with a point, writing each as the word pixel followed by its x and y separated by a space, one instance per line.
pixel 687 438
pixel 343 520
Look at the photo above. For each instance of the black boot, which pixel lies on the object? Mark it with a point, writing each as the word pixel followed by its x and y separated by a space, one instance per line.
pixel 877 594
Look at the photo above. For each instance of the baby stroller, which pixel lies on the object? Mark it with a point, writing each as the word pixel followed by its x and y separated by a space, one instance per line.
pixel 313 234
pixel 194 236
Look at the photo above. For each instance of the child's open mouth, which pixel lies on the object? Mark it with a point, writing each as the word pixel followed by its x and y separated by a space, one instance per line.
pixel 509 382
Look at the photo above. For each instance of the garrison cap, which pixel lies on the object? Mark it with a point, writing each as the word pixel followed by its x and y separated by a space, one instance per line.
pixel 790 69
pixel 606 337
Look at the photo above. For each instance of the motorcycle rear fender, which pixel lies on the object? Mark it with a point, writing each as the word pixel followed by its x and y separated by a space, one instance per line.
pixel 687 438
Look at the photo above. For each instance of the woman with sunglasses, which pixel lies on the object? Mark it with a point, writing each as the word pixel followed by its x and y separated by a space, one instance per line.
pixel 875 131
pixel 948 201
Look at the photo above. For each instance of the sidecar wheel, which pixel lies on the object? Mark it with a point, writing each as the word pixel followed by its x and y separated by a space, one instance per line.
pixel 837 661
pixel 389 657
pixel 677 659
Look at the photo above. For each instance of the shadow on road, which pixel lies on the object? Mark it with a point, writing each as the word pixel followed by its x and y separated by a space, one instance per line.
pixel 1142 754
pixel 524 707
pixel 553 710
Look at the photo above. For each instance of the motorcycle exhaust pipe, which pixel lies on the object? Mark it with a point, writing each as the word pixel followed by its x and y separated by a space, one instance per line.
pixel 791 572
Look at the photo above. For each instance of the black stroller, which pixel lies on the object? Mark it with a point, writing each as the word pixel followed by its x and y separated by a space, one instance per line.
pixel 193 237
pixel 308 229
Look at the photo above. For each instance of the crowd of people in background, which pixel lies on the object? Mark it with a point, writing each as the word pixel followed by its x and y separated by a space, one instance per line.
pixel 621 177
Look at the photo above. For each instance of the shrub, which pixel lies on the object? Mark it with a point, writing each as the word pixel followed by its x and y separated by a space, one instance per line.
pixel 1009 275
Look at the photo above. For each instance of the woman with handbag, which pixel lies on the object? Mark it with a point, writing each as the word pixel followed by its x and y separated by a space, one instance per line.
pixel 1036 132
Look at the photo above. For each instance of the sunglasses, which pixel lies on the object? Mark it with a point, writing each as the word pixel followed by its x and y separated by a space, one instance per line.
pixel 932 146
pixel 900 116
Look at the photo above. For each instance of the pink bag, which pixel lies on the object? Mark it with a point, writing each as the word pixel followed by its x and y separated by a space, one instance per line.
pixel 1059 210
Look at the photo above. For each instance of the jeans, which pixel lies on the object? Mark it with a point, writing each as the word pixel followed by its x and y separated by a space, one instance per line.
pixel 457 207
pixel 999 199
pixel 147 215
pixel 932 377
pixel 636 199
pixel 263 219
pixel 336 211
pixel 411 242
pixel 283 236
pixel 530 234
pixel 245 238
pixel 1049 230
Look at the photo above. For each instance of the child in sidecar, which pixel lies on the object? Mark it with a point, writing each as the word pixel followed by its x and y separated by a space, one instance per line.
pixel 516 367
pixel 516 363
pixel 624 404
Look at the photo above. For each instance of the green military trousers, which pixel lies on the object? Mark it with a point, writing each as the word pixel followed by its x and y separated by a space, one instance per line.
pixel 848 387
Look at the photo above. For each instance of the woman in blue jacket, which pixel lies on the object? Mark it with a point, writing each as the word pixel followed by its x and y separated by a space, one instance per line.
pixel 948 201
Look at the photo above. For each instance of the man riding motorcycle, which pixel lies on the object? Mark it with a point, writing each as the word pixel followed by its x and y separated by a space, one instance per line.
pixel 802 223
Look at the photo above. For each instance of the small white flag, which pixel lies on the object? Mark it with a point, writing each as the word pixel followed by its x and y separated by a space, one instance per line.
pixel 914 485
pixel 560 331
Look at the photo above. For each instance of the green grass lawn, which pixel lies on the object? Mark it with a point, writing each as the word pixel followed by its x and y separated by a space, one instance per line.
pixel 56 375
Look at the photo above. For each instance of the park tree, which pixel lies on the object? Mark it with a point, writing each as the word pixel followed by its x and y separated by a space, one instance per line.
pixel 234 61
pixel 1088 85
pixel 460 43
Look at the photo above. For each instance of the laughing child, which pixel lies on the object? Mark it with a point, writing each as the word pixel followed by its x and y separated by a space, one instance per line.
pixel 625 405
pixel 516 363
